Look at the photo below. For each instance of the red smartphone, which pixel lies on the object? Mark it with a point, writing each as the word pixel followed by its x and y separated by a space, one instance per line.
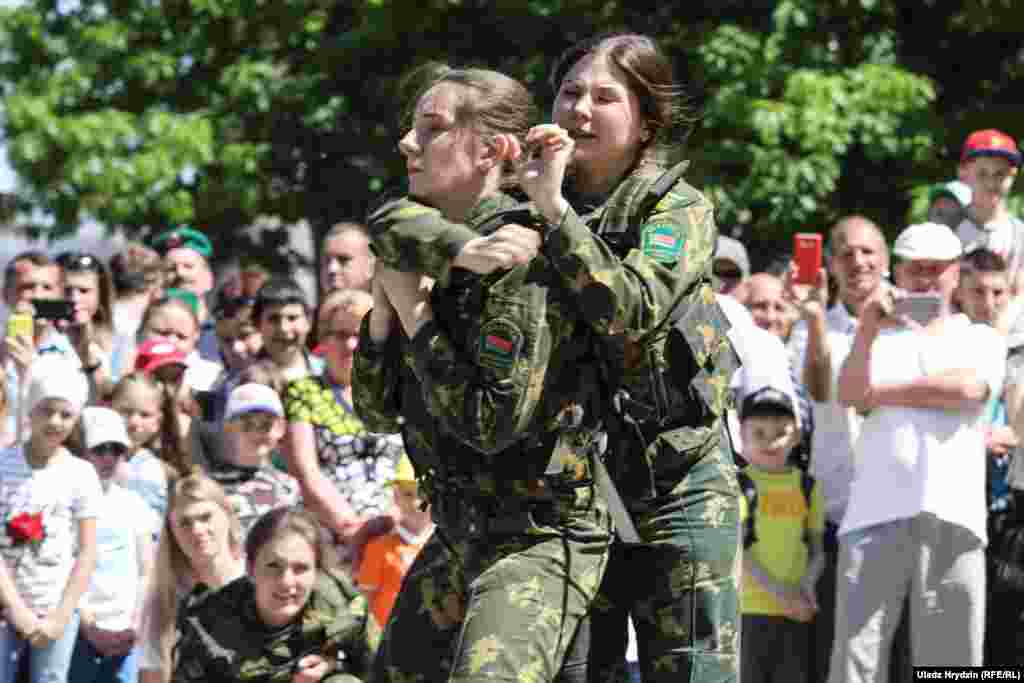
pixel 807 257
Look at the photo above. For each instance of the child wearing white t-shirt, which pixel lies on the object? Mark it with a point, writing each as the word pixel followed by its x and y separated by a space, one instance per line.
pixel 110 609
pixel 48 507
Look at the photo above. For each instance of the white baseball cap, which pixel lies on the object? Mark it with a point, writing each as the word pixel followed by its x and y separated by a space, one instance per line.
pixel 54 376
pixel 102 425
pixel 253 398
pixel 932 241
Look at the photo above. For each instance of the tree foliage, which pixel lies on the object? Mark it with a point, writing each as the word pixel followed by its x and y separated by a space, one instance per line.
pixel 147 113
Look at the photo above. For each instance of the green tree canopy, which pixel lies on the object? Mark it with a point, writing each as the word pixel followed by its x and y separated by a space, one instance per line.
pixel 144 114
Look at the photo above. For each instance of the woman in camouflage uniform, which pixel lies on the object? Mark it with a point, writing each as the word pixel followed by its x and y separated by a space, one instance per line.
pixel 486 378
pixel 294 618
pixel 634 242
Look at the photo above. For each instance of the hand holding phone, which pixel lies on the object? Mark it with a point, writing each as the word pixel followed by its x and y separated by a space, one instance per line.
pixel 921 308
pixel 19 325
pixel 54 309
pixel 807 257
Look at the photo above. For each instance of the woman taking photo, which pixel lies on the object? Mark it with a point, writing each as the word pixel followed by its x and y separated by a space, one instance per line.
pixel 633 241
pixel 200 544
pixel 486 374
pixel 293 618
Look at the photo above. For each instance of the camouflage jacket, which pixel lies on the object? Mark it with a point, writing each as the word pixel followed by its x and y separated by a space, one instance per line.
pixel 497 397
pixel 222 639
pixel 631 257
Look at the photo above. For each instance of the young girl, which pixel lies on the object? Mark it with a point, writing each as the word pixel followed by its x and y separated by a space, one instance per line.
pixel 201 543
pixel 157 453
pixel 293 618
pixel 48 503
pixel 176 321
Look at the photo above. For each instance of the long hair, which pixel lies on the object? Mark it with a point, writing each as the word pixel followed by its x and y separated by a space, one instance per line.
pixel 172 565
pixel 169 445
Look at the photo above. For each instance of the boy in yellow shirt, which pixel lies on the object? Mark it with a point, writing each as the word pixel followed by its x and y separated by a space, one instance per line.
pixel 784 523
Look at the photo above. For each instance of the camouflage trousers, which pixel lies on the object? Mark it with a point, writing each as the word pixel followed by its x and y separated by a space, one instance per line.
pixel 481 609
pixel 680 585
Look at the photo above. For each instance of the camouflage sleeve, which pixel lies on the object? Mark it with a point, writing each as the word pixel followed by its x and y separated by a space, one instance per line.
pixel 412 237
pixel 376 372
pixel 674 248
pixel 488 393
pixel 338 604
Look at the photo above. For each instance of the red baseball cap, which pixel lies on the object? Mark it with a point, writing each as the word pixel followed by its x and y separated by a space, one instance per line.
pixel 157 352
pixel 990 143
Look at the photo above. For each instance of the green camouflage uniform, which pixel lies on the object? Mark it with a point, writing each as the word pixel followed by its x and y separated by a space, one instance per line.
pixel 496 399
pixel 677 475
pixel 222 639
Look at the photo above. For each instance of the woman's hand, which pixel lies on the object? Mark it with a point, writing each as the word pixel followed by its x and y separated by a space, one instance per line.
pixel 542 169
pixel 507 247
pixel 312 668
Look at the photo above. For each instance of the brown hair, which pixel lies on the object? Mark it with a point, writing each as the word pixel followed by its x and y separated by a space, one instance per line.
pixel 171 562
pixel 282 521
pixel 136 268
pixel 265 372
pixel 160 304
pixel 650 76
pixel 344 299
pixel 168 444
pixel 103 320
pixel 35 257
pixel 983 260
pixel 489 101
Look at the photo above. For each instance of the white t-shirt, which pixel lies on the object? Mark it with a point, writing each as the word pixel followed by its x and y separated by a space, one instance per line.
pixel 914 460
pixel 66 491
pixel 832 441
pixel 1005 237
pixel 114 588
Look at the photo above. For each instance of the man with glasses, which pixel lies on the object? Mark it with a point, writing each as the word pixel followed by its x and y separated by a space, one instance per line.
pixel 914 527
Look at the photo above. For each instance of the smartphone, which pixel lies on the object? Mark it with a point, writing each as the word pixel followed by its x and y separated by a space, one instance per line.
pixel 19 325
pixel 921 308
pixel 54 309
pixel 807 257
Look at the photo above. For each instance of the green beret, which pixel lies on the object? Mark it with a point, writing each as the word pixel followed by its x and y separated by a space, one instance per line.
pixel 185 295
pixel 183 237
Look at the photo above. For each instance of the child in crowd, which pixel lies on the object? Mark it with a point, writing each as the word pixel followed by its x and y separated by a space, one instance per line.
pixel 282 316
pixel 174 319
pixel 386 558
pixel 254 422
pixel 49 501
pixel 784 531
pixel 111 607
pixel 157 452
pixel 988 166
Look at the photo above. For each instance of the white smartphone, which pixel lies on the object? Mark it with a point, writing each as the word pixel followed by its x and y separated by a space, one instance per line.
pixel 921 308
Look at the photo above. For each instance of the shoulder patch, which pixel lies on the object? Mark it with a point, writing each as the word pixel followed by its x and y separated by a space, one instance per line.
pixel 501 342
pixel 660 242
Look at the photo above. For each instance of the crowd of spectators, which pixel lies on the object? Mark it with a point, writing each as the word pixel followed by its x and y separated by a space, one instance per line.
pixel 162 415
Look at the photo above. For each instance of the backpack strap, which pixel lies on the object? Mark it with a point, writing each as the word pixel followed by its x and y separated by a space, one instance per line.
pixel 807 488
pixel 749 491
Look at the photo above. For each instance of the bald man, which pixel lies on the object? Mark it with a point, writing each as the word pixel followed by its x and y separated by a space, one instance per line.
pixel 819 343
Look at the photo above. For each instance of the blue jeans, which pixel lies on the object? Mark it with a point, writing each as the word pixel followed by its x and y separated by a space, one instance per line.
pixel 47 664
pixel 89 666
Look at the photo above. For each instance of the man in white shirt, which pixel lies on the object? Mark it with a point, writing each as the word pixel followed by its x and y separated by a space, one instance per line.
pixel 818 345
pixel 914 526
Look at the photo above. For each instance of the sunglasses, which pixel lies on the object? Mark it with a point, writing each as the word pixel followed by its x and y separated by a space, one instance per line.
pixel 255 423
pixel 112 450
pixel 728 274
pixel 76 261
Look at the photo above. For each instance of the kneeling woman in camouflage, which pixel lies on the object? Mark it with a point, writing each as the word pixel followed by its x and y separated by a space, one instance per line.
pixel 491 378
pixel 293 619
